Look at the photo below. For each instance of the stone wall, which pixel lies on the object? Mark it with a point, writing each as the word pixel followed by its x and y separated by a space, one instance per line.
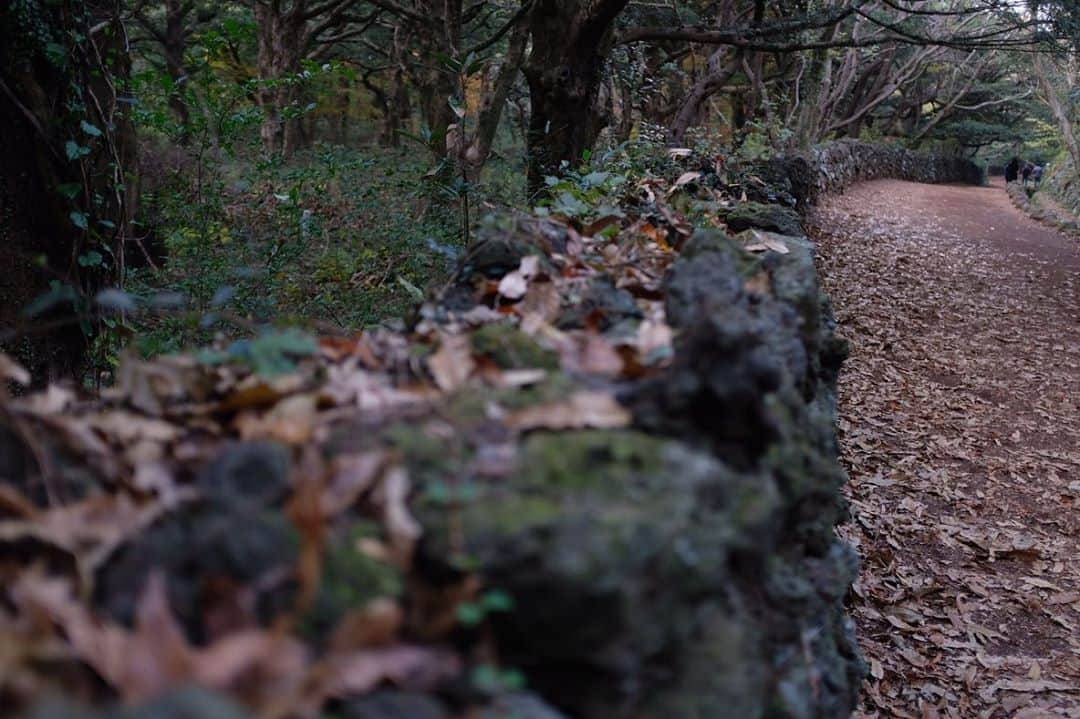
pixel 658 523
pixel 694 556
pixel 836 166
pixel 687 566
pixel 1062 183
pixel 1038 208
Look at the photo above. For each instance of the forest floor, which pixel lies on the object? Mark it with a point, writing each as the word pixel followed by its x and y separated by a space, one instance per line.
pixel 960 427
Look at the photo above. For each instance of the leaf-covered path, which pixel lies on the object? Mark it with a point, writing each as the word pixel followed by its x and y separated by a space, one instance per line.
pixel 960 426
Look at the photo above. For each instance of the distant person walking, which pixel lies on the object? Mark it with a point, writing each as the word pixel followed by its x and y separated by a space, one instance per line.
pixel 1026 173
pixel 1012 170
pixel 1036 175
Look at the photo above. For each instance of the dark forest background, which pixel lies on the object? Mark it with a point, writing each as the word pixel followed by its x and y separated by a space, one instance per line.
pixel 184 172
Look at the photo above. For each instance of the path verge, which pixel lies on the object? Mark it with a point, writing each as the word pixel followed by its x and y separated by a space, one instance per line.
pixel 960 429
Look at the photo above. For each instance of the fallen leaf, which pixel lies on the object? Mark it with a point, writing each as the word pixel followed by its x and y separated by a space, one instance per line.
pixel 351 475
pixel 597 356
pixel 684 179
pixel 514 285
pixel 402 528
pixel 452 363
pixel 542 302
pixel 12 371
pixel 763 242
pixel 291 421
pixel 409 667
pixel 376 624
pixel 653 335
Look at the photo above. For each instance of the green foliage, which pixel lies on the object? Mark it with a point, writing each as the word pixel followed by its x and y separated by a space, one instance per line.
pixel 333 237
pixel 578 193
pixel 271 353
pixel 471 614
pixel 64 79
pixel 1062 182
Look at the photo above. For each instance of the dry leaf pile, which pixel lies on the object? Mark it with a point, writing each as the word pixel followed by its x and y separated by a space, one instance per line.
pixel 960 427
pixel 123 560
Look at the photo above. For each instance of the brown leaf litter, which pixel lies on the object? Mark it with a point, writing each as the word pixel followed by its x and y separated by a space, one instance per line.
pixel 960 428
pixel 101 471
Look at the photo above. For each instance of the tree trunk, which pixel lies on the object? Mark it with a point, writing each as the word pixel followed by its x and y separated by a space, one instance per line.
pixel 437 81
pixel 64 193
pixel 476 152
pixel 1057 108
pixel 623 93
pixel 716 75
pixel 399 108
pixel 342 106
pixel 174 46
pixel 570 43
pixel 280 38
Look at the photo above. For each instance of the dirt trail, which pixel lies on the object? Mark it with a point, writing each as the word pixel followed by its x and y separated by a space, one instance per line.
pixel 960 426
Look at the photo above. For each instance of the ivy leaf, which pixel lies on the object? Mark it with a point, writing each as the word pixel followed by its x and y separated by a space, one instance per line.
pixel 212 357
pixel 69 190
pixel 497 601
pixel 74 150
pixel 79 220
pixel 595 179
pixel 274 353
pixel 90 129
pixel 455 106
pixel 492 680
pixel 567 204
pixel 470 614
pixel 56 53
pixel 93 258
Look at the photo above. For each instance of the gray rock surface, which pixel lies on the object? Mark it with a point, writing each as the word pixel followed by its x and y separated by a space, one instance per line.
pixel 687 567
pixel 834 167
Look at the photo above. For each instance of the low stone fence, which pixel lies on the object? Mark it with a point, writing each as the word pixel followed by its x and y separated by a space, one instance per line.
pixel 834 167
pixel 594 476
pixel 1046 214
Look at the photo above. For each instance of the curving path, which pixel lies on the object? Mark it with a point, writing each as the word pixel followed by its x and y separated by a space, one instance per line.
pixel 960 426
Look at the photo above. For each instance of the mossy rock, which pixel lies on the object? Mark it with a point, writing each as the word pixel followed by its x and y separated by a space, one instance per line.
pixel 602 304
pixel 430 458
pixel 510 348
pixel 591 460
pixel 350 580
pixel 709 274
pixel 775 218
pixel 614 538
pixel 554 388
pixel 228 536
pixel 250 473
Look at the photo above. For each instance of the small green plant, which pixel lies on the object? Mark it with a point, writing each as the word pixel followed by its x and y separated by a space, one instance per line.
pixel 471 614
pixel 580 193
pixel 271 353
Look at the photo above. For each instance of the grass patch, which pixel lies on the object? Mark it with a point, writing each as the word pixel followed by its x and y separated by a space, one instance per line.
pixel 337 236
